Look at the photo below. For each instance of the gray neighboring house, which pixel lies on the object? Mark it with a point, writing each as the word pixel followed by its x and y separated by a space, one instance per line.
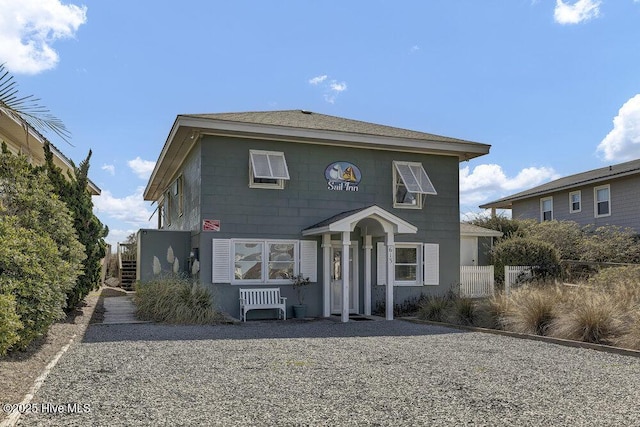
pixel 369 212
pixel 604 196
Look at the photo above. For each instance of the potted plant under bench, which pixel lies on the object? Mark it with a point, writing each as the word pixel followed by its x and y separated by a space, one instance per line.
pixel 299 284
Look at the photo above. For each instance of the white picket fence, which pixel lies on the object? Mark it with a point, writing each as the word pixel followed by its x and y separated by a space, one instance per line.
pixel 476 281
pixel 513 274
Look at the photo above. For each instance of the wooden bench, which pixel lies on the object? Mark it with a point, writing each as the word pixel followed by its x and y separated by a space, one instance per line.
pixel 262 298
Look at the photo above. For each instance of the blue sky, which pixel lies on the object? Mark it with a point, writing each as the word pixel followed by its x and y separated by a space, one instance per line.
pixel 553 86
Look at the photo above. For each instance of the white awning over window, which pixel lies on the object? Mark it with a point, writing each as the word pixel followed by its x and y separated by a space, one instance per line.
pixel 269 164
pixel 415 178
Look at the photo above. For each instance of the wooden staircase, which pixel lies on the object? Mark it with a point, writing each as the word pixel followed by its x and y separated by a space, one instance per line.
pixel 127 265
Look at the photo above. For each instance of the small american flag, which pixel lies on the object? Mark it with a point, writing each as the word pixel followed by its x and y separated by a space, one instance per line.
pixel 211 225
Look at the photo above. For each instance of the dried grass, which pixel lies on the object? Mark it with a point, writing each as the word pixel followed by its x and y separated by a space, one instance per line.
pixel 532 309
pixel 175 300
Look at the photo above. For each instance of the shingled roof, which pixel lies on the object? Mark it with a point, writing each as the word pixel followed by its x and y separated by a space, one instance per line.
pixel 572 181
pixel 298 126
pixel 303 119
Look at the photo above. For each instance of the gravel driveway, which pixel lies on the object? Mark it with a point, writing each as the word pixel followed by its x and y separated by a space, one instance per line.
pixel 329 373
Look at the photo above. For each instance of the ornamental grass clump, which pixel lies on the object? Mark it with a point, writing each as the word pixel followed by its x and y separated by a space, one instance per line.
pixel 464 311
pixel 590 316
pixel 434 308
pixel 172 299
pixel 532 309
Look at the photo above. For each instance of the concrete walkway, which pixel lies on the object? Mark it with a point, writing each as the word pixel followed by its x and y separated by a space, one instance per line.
pixel 120 310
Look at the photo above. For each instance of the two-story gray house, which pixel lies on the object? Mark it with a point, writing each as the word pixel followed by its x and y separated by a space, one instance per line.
pixel 370 213
pixel 604 196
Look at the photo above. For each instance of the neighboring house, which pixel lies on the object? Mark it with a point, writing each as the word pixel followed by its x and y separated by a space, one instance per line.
pixel 250 199
pixel 23 139
pixel 476 244
pixel 605 196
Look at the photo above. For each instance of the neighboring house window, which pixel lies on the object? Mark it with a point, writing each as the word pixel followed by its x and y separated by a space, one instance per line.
pixel 415 264
pixel 575 201
pixel 546 209
pixel 267 169
pixel 410 183
pixel 251 261
pixel 602 198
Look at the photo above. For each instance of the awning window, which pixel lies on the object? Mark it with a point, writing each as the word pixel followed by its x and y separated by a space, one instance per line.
pixel 269 165
pixel 415 178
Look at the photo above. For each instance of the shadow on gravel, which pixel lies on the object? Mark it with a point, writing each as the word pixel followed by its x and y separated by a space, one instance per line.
pixel 260 330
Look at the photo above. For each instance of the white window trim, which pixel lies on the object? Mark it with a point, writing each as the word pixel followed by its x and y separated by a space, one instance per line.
pixel 265 262
pixel 595 200
pixel 419 198
pixel 428 273
pixel 418 281
pixel 279 184
pixel 571 194
pixel 223 263
pixel 178 193
pixel 542 211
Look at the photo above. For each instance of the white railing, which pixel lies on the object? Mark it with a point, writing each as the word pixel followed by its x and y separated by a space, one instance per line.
pixel 513 274
pixel 476 282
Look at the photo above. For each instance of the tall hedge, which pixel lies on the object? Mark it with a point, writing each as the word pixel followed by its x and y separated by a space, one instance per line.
pixel 40 255
pixel 91 233
pixel 541 255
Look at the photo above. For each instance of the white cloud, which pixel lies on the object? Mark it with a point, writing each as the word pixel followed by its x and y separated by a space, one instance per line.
pixel 332 88
pixel 118 236
pixel 142 168
pixel 132 209
pixel 580 11
pixel 28 29
pixel 489 182
pixel 337 87
pixel 414 49
pixel 317 80
pixel 623 141
pixel 109 168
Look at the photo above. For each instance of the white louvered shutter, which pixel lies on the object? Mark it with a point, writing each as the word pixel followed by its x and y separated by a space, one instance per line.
pixel 309 259
pixel 431 264
pixel 221 262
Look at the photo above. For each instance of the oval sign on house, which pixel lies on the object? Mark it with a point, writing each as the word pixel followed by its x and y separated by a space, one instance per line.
pixel 342 176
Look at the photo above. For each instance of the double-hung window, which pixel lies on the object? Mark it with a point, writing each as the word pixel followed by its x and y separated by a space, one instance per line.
pixel 575 201
pixel 267 169
pixel 546 209
pixel 414 264
pixel 602 201
pixel 410 184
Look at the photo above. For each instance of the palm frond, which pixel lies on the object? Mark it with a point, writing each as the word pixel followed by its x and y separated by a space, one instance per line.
pixel 27 108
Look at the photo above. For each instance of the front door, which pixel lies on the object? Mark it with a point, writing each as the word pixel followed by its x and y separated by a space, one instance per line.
pixel 336 278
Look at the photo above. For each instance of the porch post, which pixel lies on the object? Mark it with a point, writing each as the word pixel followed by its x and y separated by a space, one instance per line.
pixel 346 274
pixel 391 274
pixel 367 274
pixel 326 275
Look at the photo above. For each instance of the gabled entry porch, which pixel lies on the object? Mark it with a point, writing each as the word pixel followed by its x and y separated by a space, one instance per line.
pixel 336 232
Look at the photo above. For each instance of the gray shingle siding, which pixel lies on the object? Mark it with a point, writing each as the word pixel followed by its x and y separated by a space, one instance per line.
pixel 625 205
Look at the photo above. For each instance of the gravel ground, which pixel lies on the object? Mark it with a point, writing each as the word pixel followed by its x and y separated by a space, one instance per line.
pixel 329 373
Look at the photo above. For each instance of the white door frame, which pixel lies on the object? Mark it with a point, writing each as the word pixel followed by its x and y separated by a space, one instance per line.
pixel 354 278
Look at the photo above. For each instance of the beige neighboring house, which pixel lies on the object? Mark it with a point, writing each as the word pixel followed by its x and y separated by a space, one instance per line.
pixel 475 244
pixel 24 139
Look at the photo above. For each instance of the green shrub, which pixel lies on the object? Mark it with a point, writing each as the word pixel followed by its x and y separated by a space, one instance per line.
pixel 565 236
pixel 30 271
pixel 176 300
pixel 526 251
pixel 610 244
pixel 10 323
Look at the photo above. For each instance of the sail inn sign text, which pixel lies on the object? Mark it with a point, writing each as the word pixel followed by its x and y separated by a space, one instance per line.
pixel 342 176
